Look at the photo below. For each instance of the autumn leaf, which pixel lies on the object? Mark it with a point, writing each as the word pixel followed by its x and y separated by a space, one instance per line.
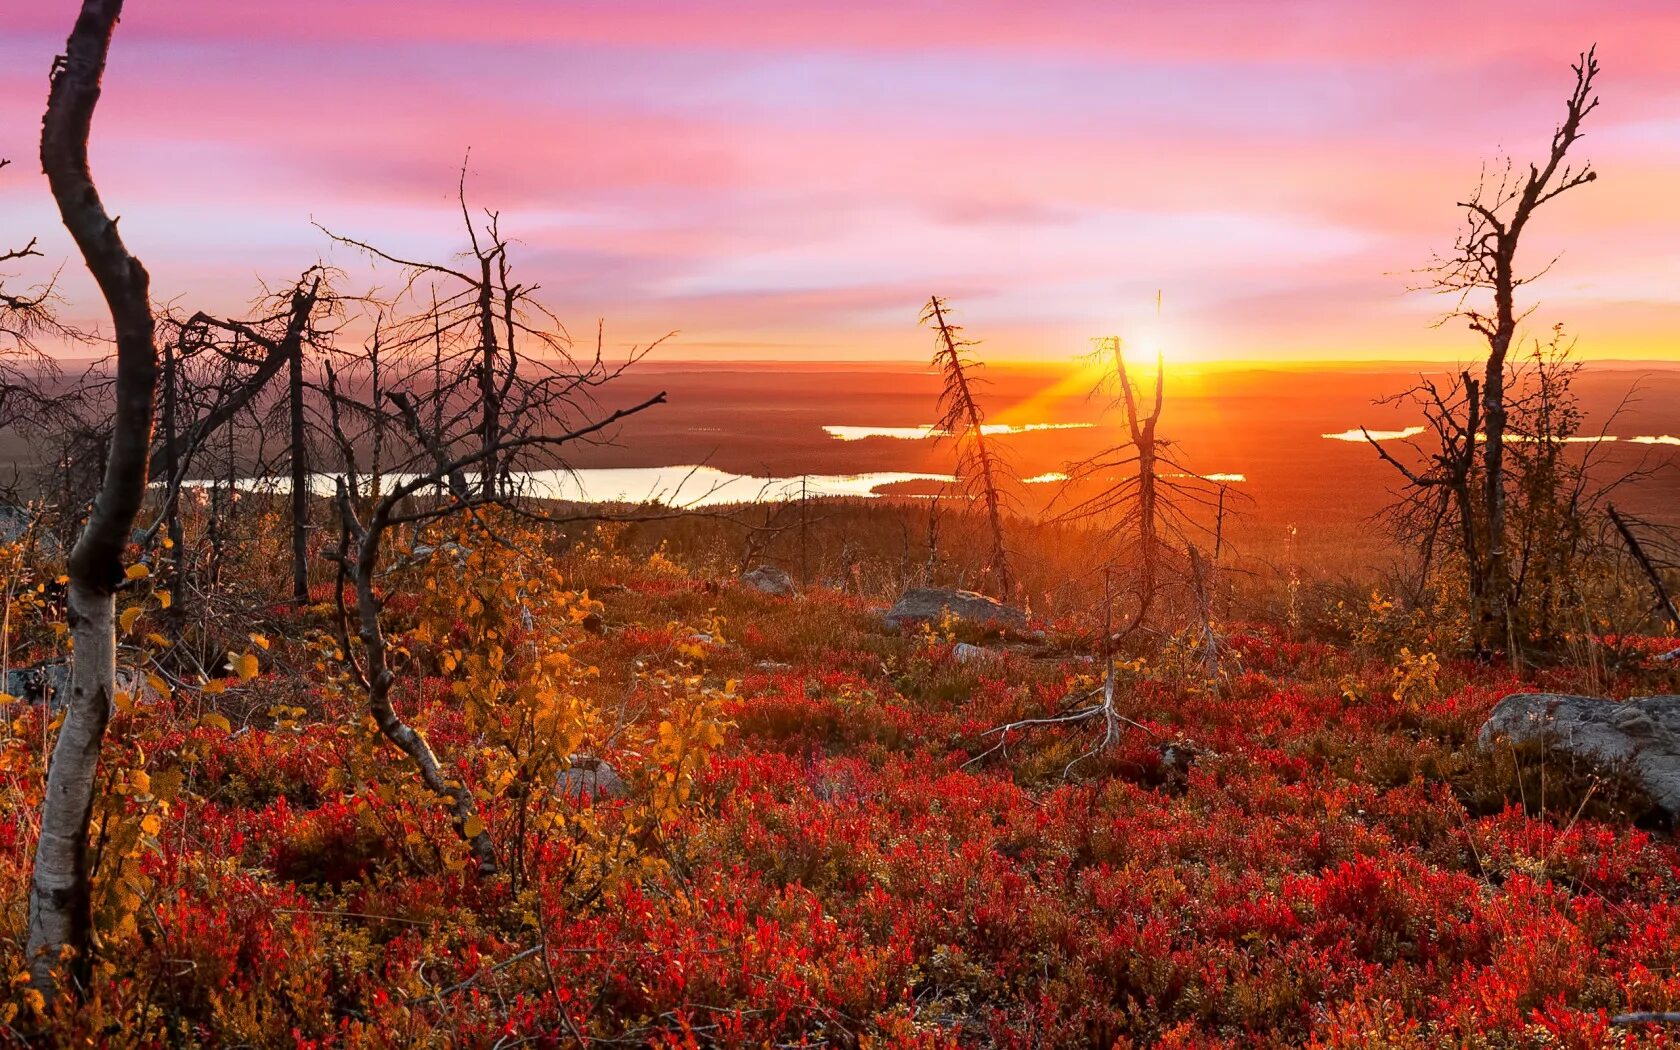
pixel 137 571
pixel 129 615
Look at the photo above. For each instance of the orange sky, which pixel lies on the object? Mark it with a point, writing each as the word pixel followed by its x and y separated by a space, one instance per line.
pixel 791 180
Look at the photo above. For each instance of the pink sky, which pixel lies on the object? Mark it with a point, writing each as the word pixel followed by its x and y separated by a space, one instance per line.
pixel 790 180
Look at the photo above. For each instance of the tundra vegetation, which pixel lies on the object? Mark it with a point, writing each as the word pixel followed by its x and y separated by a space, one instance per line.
pixel 338 734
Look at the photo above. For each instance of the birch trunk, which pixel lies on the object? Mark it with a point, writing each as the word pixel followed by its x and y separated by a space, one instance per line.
pixel 60 892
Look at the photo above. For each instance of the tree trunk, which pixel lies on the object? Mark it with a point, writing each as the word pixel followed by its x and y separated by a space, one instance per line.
pixel 463 808
pixel 300 478
pixel 172 508
pixel 1495 619
pixel 491 424
pixel 60 892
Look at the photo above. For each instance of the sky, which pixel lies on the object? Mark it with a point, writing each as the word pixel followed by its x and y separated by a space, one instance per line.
pixel 791 180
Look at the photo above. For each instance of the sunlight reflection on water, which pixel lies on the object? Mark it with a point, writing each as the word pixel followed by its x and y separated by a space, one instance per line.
pixel 928 430
pixel 686 486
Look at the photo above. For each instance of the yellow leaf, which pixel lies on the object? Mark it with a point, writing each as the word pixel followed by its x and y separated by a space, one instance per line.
pixel 129 615
pixel 259 640
pixel 137 571
pixel 245 664
pixel 124 702
pixel 473 828
pixel 150 824
pixel 164 599
pixel 216 721
pixel 211 688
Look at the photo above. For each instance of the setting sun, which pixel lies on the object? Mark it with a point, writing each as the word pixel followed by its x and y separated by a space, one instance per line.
pixel 765 523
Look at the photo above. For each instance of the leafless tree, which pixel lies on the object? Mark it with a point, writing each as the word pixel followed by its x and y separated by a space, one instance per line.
pixel 1483 272
pixel 980 471
pixel 254 352
pixel 417 400
pixel 479 327
pixel 1441 493
pixel 26 316
pixel 60 894
pixel 1149 503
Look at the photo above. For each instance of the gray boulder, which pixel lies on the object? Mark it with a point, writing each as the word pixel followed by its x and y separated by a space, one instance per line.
pixel 770 580
pixel 589 778
pixel 47 683
pixel 964 653
pixel 1639 738
pixel 929 603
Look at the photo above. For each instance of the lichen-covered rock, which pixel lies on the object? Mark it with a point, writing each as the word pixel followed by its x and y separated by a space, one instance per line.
pixel 770 580
pixel 930 603
pixel 1638 738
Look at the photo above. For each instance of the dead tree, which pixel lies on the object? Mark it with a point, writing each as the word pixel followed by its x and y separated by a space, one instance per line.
pixel 479 328
pixel 363 542
pixel 415 396
pixel 1440 497
pixel 1483 262
pixel 1147 502
pixel 60 893
pixel 26 374
pixel 1664 603
pixel 251 354
pixel 979 469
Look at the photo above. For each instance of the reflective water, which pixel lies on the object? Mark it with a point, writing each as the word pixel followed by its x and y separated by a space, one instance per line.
pixel 928 430
pixel 686 486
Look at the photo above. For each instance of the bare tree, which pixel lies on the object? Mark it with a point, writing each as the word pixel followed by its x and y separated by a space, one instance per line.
pixel 1147 501
pixel 980 471
pixel 280 339
pixel 1484 262
pixel 479 330
pixel 417 401
pixel 1441 481
pixel 60 894
pixel 363 542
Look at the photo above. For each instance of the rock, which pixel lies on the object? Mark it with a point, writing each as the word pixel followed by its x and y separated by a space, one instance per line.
pixel 928 603
pixel 591 778
pixel 15 523
pixel 1639 738
pixel 44 683
pixel 770 580
pixel 963 653
pixel 424 553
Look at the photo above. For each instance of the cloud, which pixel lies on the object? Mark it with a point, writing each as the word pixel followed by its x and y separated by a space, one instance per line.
pixel 783 173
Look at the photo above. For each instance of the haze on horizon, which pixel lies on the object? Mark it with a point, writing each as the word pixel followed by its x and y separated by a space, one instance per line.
pixel 779 181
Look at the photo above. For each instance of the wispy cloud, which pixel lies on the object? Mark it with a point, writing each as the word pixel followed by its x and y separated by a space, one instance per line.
pixel 786 173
